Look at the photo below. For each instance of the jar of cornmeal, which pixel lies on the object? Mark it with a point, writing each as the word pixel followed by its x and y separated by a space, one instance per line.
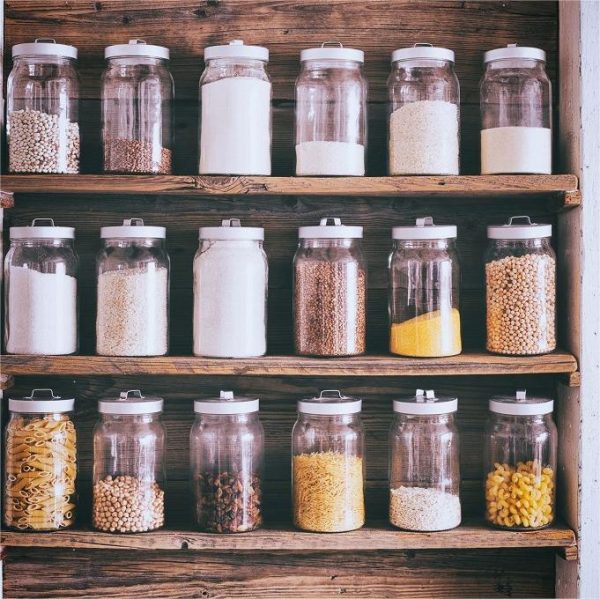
pixel 424 277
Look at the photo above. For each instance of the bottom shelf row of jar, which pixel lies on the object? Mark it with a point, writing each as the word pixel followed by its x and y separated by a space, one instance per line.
pixel 328 464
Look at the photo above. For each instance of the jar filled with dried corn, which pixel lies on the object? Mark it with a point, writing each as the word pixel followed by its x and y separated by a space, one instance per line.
pixel 520 462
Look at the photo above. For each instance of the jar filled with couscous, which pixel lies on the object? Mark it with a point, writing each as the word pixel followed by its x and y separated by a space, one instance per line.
pixel 520 462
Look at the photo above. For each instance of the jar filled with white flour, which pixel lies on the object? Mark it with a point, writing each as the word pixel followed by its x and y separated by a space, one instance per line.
pixel 41 290
pixel 133 291
pixel 235 111
pixel 424 101
pixel 331 112
pixel 516 112
pixel 230 292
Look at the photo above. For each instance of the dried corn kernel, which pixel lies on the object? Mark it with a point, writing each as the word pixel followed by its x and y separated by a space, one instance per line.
pixel 521 496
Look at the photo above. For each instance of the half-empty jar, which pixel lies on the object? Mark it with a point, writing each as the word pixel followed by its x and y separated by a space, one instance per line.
pixel 331 112
pixel 516 112
pixel 226 461
pixel 40 273
pixel 328 464
pixel 330 281
pixel 129 464
pixel 424 463
pixel 424 283
pixel 137 91
pixel 133 290
pixel 230 291
pixel 520 278
pixel 40 463
pixel 42 103
pixel 424 102
pixel 235 111
pixel 520 462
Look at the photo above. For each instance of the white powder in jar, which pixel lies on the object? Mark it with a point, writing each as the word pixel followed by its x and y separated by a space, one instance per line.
pixel 230 282
pixel 424 138
pixel 424 509
pixel 330 158
pixel 42 312
pixel 235 133
pixel 506 150
pixel 132 312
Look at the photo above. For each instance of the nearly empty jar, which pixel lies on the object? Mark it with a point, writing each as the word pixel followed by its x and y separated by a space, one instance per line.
pixel 331 112
pixel 133 291
pixel 330 283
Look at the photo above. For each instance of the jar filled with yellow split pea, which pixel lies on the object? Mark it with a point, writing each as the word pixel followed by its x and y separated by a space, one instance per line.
pixel 328 464
pixel 40 463
pixel 520 463
pixel 424 279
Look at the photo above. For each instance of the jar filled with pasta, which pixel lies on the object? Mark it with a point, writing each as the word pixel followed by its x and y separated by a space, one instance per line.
pixel 129 464
pixel 328 464
pixel 40 459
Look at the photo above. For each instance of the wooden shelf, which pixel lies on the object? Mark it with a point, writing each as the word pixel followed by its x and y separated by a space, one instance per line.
pixel 564 186
pixel 374 365
pixel 375 537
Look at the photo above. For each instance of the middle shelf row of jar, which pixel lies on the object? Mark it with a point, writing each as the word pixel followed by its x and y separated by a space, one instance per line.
pixel 231 282
pixel 327 466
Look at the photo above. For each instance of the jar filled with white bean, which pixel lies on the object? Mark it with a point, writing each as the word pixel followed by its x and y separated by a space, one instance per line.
pixel 520 273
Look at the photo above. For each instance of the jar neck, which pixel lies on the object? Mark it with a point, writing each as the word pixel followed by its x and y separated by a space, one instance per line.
pixel 149 242
pixel 515 63
pixel 45 242
pixel 427 418
pixel 134 61
pixel 323 63
pixel 329 243
pixel 41 60
pixel 131 418
pixel 521 419
pixel 429 244
pixel 235 62
pixel 223 419
pixel 422 63
pixel 330 419
pixel 541 243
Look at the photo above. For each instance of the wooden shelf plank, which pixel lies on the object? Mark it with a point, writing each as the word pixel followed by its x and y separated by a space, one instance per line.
pixel 370 365
pixel 465 185
pixel 374 537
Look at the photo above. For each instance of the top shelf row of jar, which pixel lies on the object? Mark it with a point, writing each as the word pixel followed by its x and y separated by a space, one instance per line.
pixel 235 113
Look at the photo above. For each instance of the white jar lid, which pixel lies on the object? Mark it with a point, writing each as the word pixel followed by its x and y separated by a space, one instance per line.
pixel 335 52
pixel 420 50
pixel 333 231
pixel 137 48
pixel 133 228
pixel 514 51
pixel 236 49
pixel 226 403
pixel 231 228
pixel 333 404
pixel 521 405
pixel 131 402
pixel 514 230
pixel 45 231
pixel 44 47
pixel 426 402
pixel 425 229
pixel 41 401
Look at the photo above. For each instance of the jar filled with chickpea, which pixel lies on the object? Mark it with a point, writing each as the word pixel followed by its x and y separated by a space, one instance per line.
pixel 520 462
pixel 520 277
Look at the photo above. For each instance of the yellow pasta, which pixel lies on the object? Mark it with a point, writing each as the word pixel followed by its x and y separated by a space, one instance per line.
pixel 40 472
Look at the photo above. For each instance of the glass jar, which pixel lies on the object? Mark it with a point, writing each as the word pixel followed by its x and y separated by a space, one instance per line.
pixel 226 459
pixel 129 464
pixel 424 275
pixel 520 278
pixel 137 91
pixel 133 291
pixel 330 280
pixel 516 112
pixel 331 112
pixel 230 292
pixel 424 463
pixel 40 463
pixel 520 462
pixel 328 464
pixel 42 96
pixel 424 103
pixel 40 273
pixel 235 111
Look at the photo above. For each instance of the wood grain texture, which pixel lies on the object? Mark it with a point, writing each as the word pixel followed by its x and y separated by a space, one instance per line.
pixel 463 364
pixel 86 574
pixel 480 185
